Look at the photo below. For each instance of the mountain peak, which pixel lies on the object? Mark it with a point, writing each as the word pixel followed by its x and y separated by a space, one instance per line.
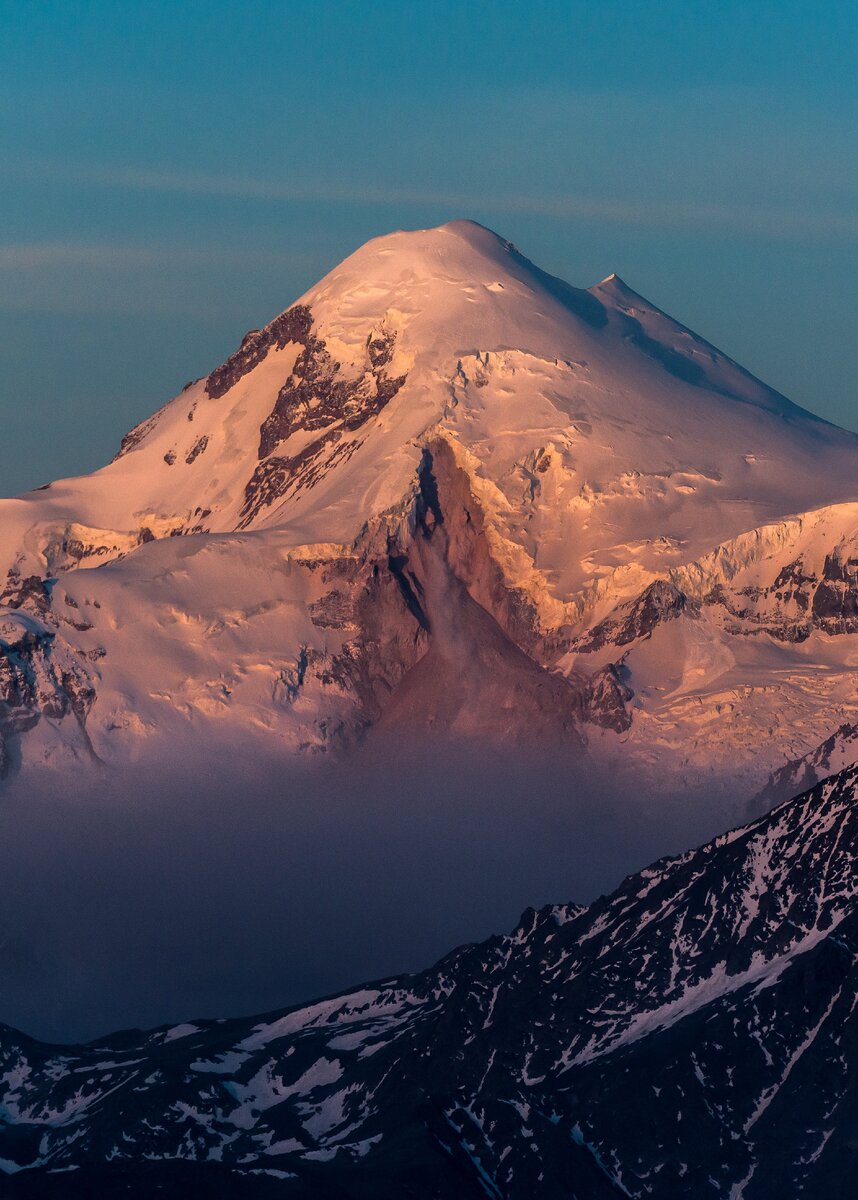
pixel 471 233
pixel 615 288
pixel 582 444
pixel 458 253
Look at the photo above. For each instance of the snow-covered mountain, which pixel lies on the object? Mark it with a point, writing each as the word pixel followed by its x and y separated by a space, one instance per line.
pixel 446 490
pixel 834 754
pixel 692 1034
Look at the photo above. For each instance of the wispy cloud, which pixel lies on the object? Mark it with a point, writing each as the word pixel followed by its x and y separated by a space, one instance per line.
pixel 83 278
pixel 741 218
pixel 106 256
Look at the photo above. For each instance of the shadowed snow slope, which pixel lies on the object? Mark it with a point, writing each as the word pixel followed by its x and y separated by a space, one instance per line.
pixel 691 1034
pixel 248 567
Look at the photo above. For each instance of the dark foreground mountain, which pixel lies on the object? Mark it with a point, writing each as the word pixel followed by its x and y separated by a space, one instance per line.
pixel 691 1035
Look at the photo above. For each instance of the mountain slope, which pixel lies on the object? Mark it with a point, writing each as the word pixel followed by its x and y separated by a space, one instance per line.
pixel 392 343
pixel 691 1034
pixel 837 752
pixel 248 560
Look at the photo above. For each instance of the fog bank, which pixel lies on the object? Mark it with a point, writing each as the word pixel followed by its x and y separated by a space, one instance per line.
pixel 229 887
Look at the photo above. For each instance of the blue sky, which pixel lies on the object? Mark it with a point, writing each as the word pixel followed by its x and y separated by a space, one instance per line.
pixel 173 174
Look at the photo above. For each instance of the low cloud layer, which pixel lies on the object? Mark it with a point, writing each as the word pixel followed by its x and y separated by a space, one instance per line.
pixel 229 888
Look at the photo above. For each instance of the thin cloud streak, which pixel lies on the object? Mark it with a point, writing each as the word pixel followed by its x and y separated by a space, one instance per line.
pixel 104 256
pixel 740 218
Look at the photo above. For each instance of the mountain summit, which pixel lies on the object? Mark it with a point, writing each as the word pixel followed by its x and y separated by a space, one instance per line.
pixel 444 489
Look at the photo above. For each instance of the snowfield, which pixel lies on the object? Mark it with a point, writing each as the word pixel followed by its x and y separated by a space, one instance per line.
pixel 651 553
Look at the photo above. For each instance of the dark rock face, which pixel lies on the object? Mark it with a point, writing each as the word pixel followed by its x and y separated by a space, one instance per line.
pixel 389 642
pixel 291 326
pixel 789 609
pixel 692 1034
pixel 30 679
pixel 30 592
pixel 317 399
pixel 444 496
pixel 605 699
pixel 136 435
pixel 197 449
pixel 285 475
pixel 475 678
pixel 40 674
pixel 314 396
pixel 797 602
pixel 37 682
pixel 792 582
pixel 660 602
pixel 835 601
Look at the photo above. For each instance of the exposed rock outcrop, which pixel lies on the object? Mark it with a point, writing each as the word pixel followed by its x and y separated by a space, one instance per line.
pixel 606 698
pixel 40 676
pixel 292 326
pixel 637 619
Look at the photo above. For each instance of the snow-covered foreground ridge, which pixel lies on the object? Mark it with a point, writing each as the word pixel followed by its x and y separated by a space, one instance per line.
pixel 692 1034
pixel 445 490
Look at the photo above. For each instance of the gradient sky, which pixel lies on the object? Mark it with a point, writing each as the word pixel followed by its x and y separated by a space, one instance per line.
pixel 175 173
